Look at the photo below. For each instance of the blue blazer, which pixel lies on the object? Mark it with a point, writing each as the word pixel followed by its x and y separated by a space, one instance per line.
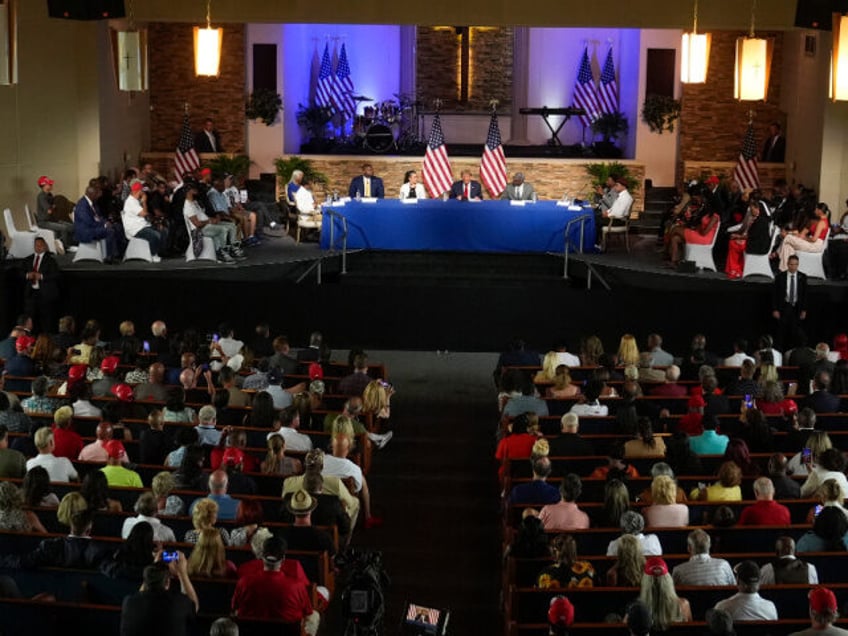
pixel 357 183
pixel 89 226
pixel 457 189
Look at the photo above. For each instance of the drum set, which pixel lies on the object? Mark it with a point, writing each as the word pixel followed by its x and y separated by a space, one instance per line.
pixel 386 125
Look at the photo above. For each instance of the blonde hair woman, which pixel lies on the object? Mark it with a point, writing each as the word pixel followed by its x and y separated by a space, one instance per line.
pixel 168 504
pixel 562 388
pixel 629 563
pixel 818 442
pixel 276 462
pixel 209 557
pixel 665 512
pixel 375 399
pixel 12 515
pixel 71 504
pixel 203 517
pixel 549 368
pixel 658 593
pixel 628 350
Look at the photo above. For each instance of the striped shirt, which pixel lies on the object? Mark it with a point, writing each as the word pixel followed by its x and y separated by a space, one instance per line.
pixel 702 569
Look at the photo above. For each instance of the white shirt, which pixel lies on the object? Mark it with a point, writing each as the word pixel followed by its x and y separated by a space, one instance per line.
pixel 818 476
pixel 767 573
pixel 420 192
pixel 133 223
pixel 282 398
pixel 161 532
pixel 590 410
pixel 568 359
pixel 230 346
pixel 702 569
pixel 650 545
pixel 84 408
pixel 342 468
pixel 193 208
pixel 304 201
pixel 294 441
pixel 661 358
pixel 737 359
pixel 621 206
pixel 58 468
pixel 748 607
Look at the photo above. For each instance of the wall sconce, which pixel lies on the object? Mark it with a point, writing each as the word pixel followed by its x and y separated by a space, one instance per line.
pixel 753 64
pixel 695 54
pixel 8 42
pixel 207 47
pixel 838 89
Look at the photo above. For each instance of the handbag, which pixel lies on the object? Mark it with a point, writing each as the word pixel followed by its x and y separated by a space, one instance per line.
pixel 197 242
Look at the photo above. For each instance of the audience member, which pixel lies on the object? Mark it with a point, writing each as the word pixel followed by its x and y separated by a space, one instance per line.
pixel 565 515
pixel 766 511
pixel 227 506
pixel 146 506
pixel 665 511
pixel 702 569
pixel 787 568
pixel 566 571
pixel 657 592
pixel 59 468
pixel 155 605
pixel 626 571
pixel 747 604
pixel 823 613
pixel 632 523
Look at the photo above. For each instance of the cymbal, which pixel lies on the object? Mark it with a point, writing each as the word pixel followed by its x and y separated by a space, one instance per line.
pixel 360 98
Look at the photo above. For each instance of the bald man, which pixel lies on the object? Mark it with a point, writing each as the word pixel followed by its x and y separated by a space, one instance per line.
pixel 227 506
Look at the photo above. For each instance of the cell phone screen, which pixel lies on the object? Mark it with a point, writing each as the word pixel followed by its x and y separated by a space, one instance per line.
pixel 806 454
pixel 146 347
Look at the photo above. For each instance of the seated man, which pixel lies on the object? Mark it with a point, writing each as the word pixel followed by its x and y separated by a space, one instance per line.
pixel 45 213
pixel 136 224
pixel 266 214
pixel 747 604
pixel 155 608
pixel 701 568
pixel 787 568
pixel 518 190
pixel 366 184
pixel 226 213
pixel 766 511
pixel 218 486
pixel 58 468
pixel 91 225
pixel 618 211
pixel 116 473
pixel 222 234
pixel 76 550
pixel 823 613
pixel 465 189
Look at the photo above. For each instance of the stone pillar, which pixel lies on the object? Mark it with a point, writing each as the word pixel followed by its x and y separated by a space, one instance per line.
pixel 520 84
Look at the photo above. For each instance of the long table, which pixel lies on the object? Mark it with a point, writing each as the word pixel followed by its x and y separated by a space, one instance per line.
pixel 464 226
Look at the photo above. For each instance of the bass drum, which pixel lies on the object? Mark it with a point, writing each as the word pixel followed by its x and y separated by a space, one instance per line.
pixel 379 138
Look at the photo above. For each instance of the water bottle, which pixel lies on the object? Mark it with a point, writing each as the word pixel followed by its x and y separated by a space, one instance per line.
pixel 335 195
pixel 358 195
pixel 445 196
pixel 533 197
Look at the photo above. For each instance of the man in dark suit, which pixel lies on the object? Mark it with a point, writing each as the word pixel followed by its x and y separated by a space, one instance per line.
pixel 366 184
pixel 569 443
pixel 774 148
pixel 465 189
pixel 208 140
pixel 789 303
pixel 821 400
pixel 90 226
pixel 41 291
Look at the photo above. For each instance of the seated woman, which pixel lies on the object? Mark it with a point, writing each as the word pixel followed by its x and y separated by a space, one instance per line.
pixel 657 592
pixel 276 462
pixel 616 503
pixel 209 557
pixel 829 533
pixel 737 452
pixel 12 515
pixel 830 465
pixel 727 488
pixel 204 517
pixel 829 495
pixel 818 442
pixel 248 518
pixel 702 234
pixel 563 387
pixel 36 489
pixel 167 504
pixel 807 239
pixel 752 238
pixel 135 553
pixel 548 371
pixel 633 524
pixel 646 443
pixel 530 542
pixel 772 401
pixel 566 570
pixel 175 407
pixel 411 189
pixel 665 512
pixel 629 563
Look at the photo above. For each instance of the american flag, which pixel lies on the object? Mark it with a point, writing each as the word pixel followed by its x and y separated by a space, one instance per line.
pixel 343 86
pixel 436 170
pixel 607 89
pixel 493 165
pixel 745 172
pixel 186 158
pixel 584 90
pixel 324 89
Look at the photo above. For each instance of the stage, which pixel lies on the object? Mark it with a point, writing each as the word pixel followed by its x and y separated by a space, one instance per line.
pixel 431 300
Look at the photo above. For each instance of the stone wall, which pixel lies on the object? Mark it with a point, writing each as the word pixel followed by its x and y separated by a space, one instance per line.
pixel 490 67
pixel 769 172
pixel 712 123
pixel 173 84
pixel 550 177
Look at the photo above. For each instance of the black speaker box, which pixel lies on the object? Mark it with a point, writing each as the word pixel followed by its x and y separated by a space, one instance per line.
pixel 818 14
pixel 86 9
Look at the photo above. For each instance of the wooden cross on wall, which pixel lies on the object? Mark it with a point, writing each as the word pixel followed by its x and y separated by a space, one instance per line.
pixel 464 35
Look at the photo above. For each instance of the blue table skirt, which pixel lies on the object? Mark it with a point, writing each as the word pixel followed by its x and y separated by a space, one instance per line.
pixel 485 226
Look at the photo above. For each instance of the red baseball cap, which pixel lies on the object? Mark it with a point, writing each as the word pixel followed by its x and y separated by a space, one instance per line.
pixel 206 172
pixel 77 372
pixel 232 457
pixel 115 449
pixel 315 371
pixel 123 392
pixel 110 364
pixel 822 600
pixel 712 180
pixel 24 342
pixel 655 566
pixel 43 181
pixel 137 186
pixel 561 612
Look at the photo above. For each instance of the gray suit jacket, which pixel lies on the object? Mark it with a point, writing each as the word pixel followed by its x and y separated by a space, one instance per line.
pixel 526 194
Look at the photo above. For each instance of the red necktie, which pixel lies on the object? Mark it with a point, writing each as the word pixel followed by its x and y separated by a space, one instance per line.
pixel 467 188
pixel 36 263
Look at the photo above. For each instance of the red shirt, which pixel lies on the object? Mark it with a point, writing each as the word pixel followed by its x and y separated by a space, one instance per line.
pixel 67 443
pixel 692 424
pixel 251 465
pixel 271 595
pixel 765 513
pixel 291 568
pixel 514 446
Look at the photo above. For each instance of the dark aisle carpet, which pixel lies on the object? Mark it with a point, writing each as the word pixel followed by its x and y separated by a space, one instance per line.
pixel 435 485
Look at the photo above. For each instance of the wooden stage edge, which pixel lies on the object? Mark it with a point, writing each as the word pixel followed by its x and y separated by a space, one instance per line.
pixel 551 177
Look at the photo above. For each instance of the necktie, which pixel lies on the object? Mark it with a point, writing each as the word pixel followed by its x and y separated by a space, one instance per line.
pixel 467 191
pixel 518 192
pixel 367 187
pixel 37 263
pixel 792 289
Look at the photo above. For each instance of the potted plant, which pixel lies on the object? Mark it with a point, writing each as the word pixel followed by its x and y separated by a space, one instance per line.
pixel 287 165
pixel 610 126
pixel 314 119
pixel 236 165
pixel 660 112
pixel 600 172
pixel 264 104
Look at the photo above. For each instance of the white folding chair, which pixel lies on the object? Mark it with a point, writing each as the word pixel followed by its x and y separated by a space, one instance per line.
pixel 95 251
pixel 20 241
pixel 812 263
pixel 48 235
pixel 758 264
pixel 703 254
pixel 139 250
pixel 308 222
pixel 208 253
pixel 617 229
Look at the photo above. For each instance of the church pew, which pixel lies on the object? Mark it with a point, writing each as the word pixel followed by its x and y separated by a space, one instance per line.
pixel 753 628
